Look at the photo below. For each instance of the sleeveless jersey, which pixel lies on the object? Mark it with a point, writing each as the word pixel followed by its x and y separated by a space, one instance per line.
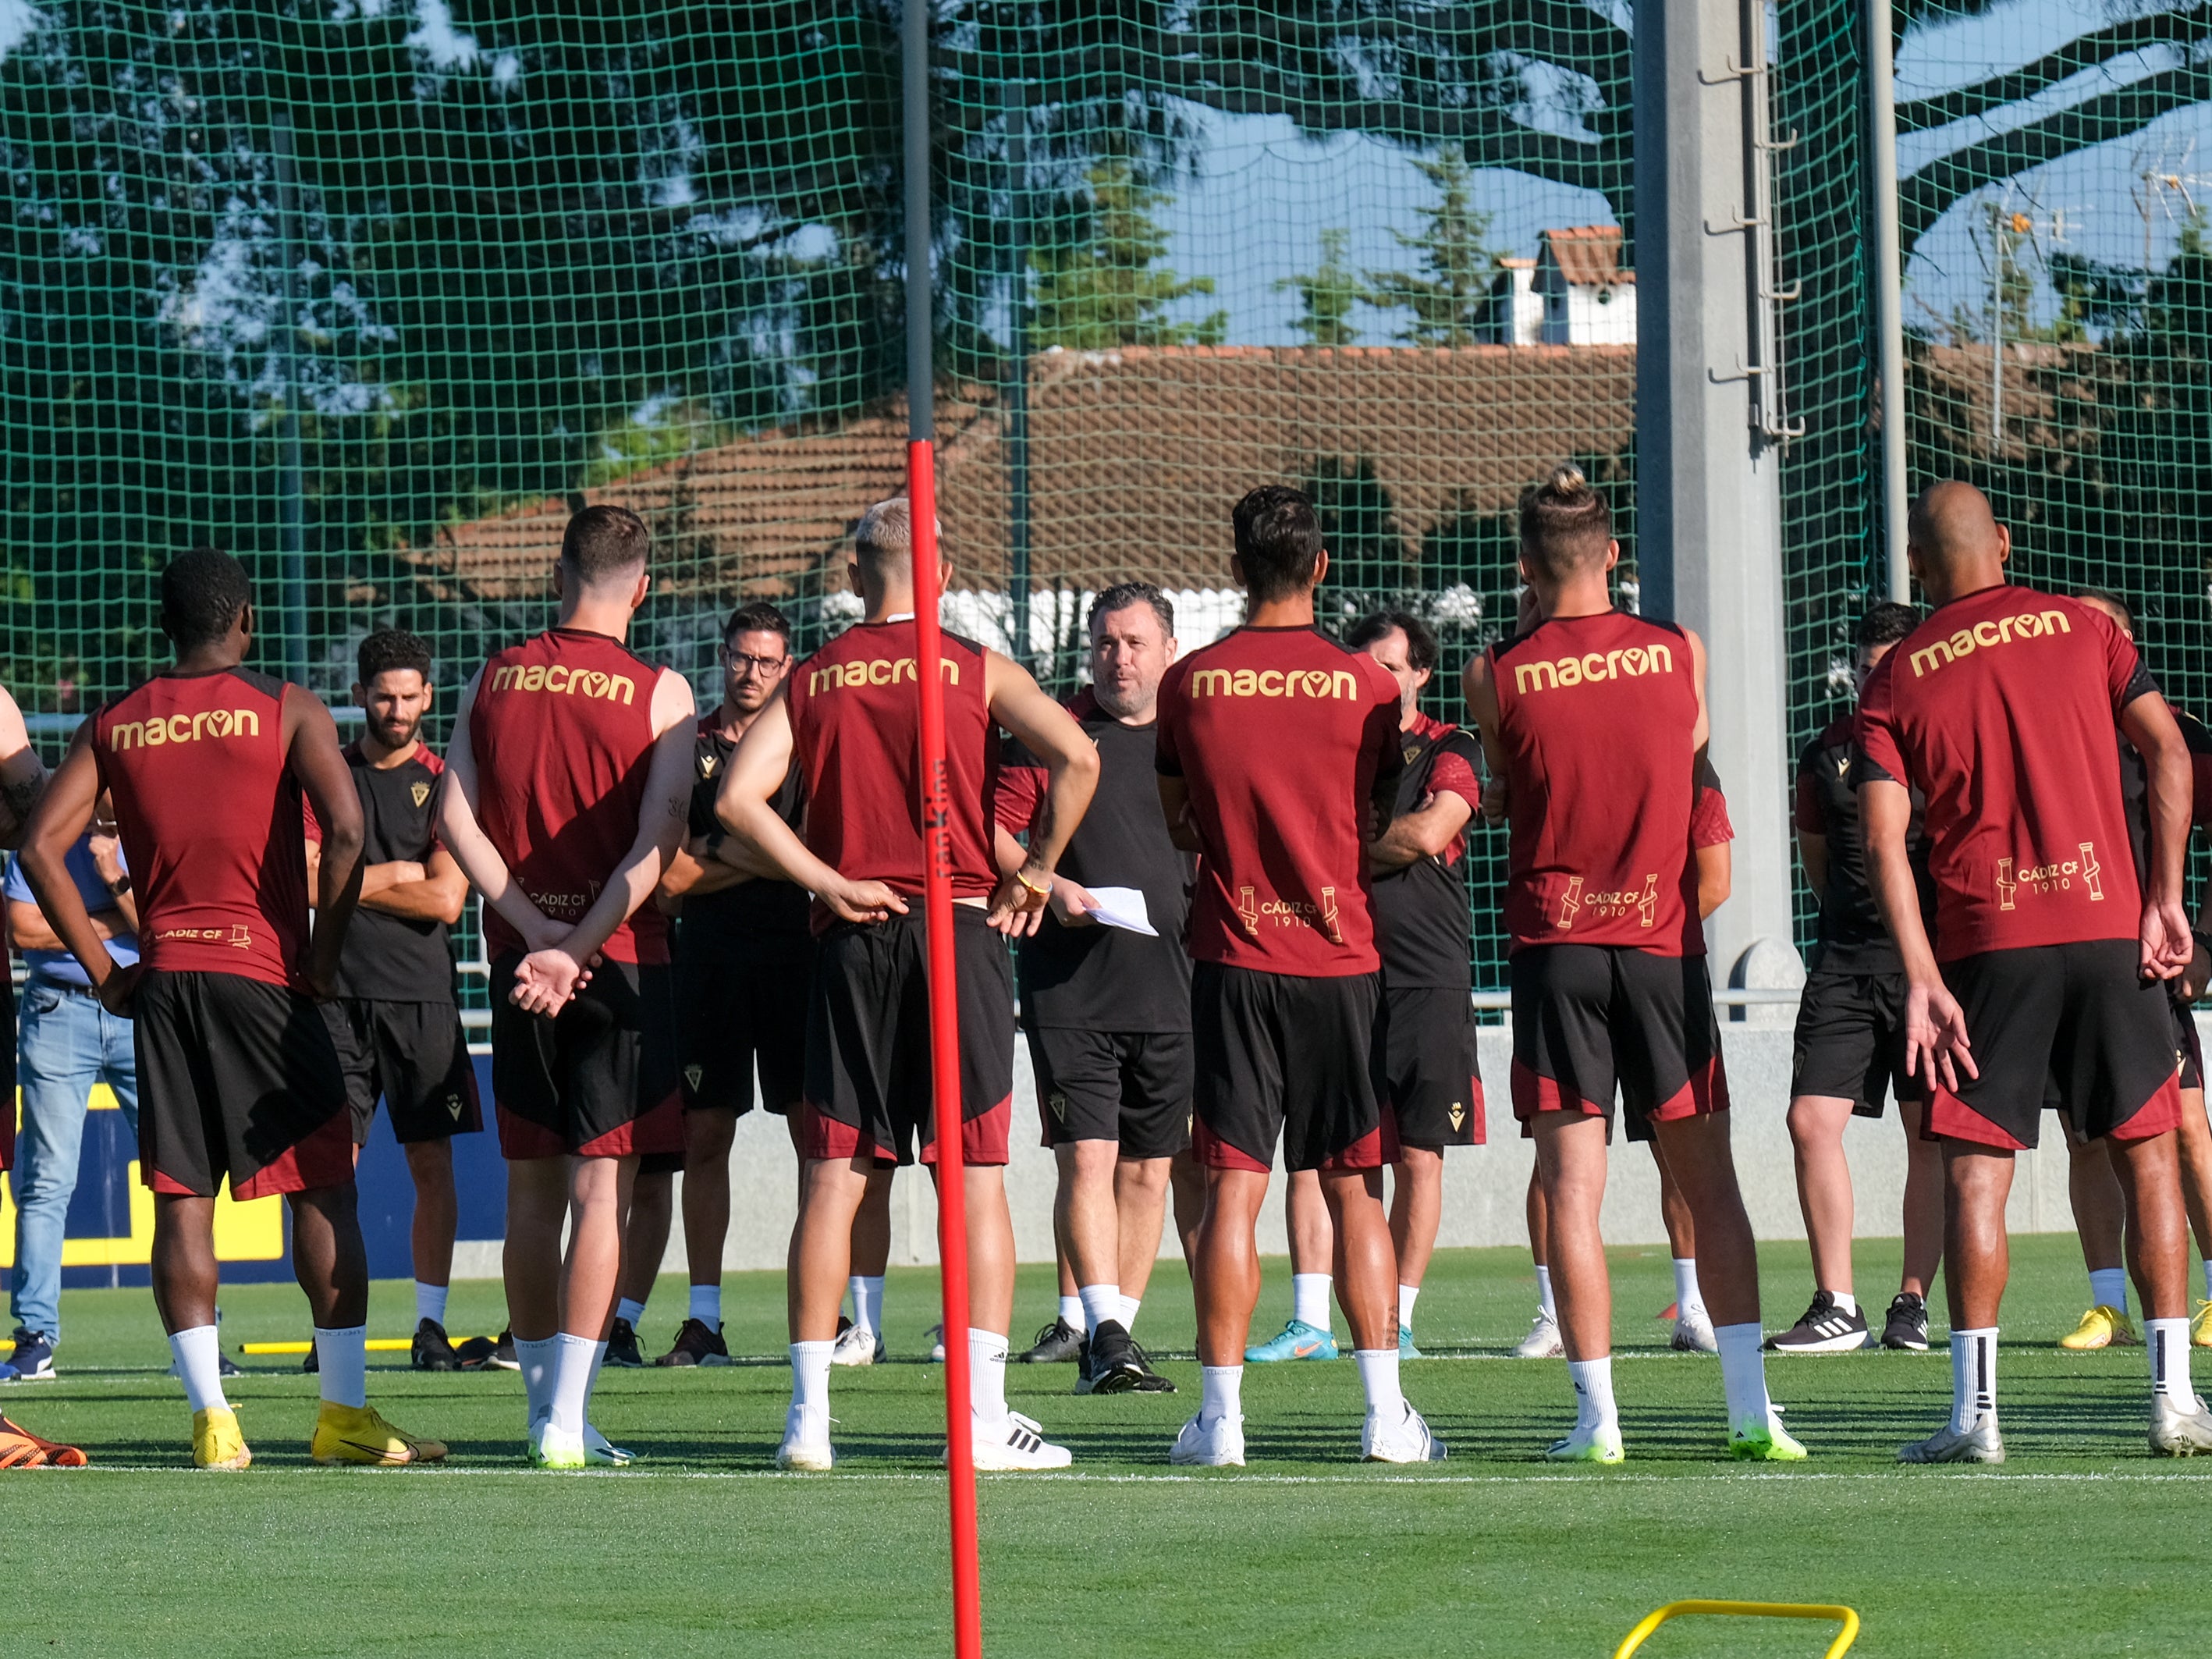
pixel 561 730
pixel 855 729
pixel 211 820
pixel 1597 715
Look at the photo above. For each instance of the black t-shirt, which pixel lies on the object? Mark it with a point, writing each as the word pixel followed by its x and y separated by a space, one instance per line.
pixel 388 959
pixel 2135 786
pixel 1853 938
pixel 754 918
pixel 1422 917
pixel 1095 978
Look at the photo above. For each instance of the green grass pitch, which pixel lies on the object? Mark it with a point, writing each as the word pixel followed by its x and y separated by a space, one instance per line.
pixel 2081 1543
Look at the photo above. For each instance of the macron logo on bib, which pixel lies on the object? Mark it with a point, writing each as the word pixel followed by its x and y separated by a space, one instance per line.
pixel 182 728
pixel 1989 631
pixel 1593 668
pixel 560 680
pixel 1274 682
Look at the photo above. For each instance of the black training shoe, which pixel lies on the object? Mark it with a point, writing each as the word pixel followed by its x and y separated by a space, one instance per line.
pixel 696 1346
pixel 1148 1381
pixel 1906 1328
pixel 311 1363
pixel 1058 1344
pixel 1111 1365
pixel 1825 1328
pixel 431 1350
pixel 226 1366
pixel 622 1346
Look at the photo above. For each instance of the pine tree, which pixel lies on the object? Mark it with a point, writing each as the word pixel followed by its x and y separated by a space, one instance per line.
pixel 1102 288
pixel 1449 296
pixel 1326 297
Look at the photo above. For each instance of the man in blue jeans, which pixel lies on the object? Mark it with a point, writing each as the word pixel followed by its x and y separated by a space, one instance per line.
pixel 67 1043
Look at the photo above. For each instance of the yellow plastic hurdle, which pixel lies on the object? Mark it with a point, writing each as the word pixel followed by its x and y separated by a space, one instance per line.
pixel 1847 1617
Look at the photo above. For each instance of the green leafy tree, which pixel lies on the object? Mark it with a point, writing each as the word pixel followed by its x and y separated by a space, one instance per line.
pixel 1327 295
pixel 1368 567
pixel 1104 286
pixel 1449 297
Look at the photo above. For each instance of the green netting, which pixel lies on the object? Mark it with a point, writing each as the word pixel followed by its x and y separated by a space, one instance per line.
pixel 375 291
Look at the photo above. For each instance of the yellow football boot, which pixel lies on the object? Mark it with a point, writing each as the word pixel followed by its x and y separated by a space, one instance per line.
pixel 216 1442
pixel 2101 1327
pixel 2200 1329
pixel 351 1434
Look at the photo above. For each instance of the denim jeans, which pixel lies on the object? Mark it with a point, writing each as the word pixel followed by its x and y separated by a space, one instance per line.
pixel 65 1043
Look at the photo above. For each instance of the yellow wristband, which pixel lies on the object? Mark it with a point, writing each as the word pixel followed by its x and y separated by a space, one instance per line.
pixel 1045 890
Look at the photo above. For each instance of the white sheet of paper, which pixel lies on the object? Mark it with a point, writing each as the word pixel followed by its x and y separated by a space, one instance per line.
pixel 1123 908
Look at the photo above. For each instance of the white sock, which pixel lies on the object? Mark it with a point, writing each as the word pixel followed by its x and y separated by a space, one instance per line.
pixel 1378 1377
pixel 1974 1376
pixel 810 1376
pixel 573 1357
pixel 430 1302
pixel 1743 1375
pixel 1100 1303
pixel 986 1376
pixel 341 1365
pixel 1221 1393
pixel 630 1312
pixel 1688 1299
pixel 1543 1295
pixel 1593 1381
pixel 1310 1299
pixel 868 1301
pixel 2108 1287
pixel 1407 1295
pixel 1844 1300
pixel 705 1306
pixel 2169 1360
pixel 1071 1314
pixel 536 1359
pixel 1128 1315
pixel 199 1366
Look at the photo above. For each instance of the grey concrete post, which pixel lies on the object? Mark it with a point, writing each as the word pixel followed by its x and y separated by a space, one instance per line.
pixel 1709 511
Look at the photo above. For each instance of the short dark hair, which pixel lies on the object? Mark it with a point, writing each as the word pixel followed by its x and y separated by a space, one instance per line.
pixel 389 648
pixel 202 593
pixel 1278 539
pixel 1122 595
pixel 1886 624
pixel 2106 596
pixel 603 541
pixel 758 617
pixel 1421 643
pixel 1564 523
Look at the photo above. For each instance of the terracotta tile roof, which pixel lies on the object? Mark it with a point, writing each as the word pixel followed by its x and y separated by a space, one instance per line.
pixel 1136 456
pixel 1588 256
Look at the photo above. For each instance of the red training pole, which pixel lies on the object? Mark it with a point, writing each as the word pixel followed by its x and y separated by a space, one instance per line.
pixel 945 1055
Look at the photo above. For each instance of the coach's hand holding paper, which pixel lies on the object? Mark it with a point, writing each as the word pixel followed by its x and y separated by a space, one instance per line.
pixel 1122 908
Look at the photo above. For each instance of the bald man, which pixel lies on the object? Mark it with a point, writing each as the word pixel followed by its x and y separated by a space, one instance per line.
pixel 2001 709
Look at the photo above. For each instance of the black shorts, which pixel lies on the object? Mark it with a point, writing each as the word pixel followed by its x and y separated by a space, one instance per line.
pixel 1432 1081
pixel 1591 1019
pixel 1283 1058
pixel 734 1012
pixel 598 1079
pixel 1851 1040
pixel 238 1079
pixel 2072 1025
pixel 1130 1086
pixel 868 1092
pixel 415 1056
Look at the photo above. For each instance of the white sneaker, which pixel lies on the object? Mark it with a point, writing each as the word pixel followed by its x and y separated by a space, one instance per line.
pixel 2175 1432
pixel 857 1346
pixel 1406 1441
pixel 1601 1444
pixel 806 1442
pixel 1979 1444
pixel 1693 1333
pixel 934 1336
pixel 554 1448
pixel 1543 1340
pixel 1017 1443
pixel 602 1453
pixel 1216 1445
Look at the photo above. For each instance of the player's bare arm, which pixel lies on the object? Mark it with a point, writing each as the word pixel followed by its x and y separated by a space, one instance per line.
pixel 1070 903
pixel 1426 832
pixel 2150 725
pixel 1715 877
pixel 432 891
pixel 1479 686
pixel 462 834
pixel 317 764
pixel 1070 762
pixel 22 774
pixel 1174 806
pixel 1936 1042
pixel 745 804
pixel 62 815
pixel 1813 856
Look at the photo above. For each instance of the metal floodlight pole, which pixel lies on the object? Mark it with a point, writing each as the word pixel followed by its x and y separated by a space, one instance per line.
pixel 936 833
pixel 291 527
pixel 1888 278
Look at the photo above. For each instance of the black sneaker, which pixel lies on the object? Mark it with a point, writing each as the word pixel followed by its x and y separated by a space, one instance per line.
pixel 1148 1381
pixel 1112 1366
pixel 312 1361
pixel 1825 1328
pixel 226 1366
pixel 431 1351
pixel 1058 1344
pixel 622 1347
pixel 1906 1328
pixel 696 1346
